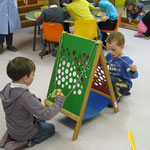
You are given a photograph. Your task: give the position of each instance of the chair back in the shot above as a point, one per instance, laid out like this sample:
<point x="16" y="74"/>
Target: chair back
<point x="131" y="139"/>
<point x="118" y="21"/>
<point x="52" y="31"/>
<point x="86" y="28"/>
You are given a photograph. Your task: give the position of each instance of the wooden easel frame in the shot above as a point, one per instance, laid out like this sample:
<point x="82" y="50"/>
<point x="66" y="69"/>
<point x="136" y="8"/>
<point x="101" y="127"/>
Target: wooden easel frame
<point x="99" y="55"/>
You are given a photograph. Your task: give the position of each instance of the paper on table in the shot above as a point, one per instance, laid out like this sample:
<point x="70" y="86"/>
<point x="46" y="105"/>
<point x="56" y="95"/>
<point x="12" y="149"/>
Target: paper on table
<point x="98" y="12"/>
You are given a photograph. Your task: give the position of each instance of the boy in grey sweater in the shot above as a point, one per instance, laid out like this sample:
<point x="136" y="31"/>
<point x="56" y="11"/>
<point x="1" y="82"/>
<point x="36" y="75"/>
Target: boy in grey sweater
<point x="25" y="115"/>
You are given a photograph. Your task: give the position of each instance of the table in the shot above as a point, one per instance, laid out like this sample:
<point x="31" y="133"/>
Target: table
<point x="30" y="16"/>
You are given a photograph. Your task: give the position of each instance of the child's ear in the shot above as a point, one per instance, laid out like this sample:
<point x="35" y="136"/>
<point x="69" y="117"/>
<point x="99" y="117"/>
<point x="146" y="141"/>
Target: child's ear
<point x="25" y="78"/>
<point x="122" y="46"/>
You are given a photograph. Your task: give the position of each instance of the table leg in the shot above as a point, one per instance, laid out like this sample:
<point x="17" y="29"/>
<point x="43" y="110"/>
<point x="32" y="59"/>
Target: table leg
<point x="34" y="38"/>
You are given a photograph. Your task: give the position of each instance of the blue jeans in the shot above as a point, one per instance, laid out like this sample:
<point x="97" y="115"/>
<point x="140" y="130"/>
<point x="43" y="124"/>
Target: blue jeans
<point x="46" y="130"/>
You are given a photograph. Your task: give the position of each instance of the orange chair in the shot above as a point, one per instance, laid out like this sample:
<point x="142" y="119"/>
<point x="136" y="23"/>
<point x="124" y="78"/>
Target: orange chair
<point x="86" y="28"/>
<point x="117" y="25"/>
<point x="51" y="33"/>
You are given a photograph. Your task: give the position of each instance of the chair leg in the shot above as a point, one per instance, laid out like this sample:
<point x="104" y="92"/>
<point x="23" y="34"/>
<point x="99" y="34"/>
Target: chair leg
<point x="43" y="52"/>
<point x="49" y="47"/>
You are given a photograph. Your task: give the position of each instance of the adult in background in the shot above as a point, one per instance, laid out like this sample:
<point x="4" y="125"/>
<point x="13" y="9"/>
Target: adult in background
<point x="9" y="23"/>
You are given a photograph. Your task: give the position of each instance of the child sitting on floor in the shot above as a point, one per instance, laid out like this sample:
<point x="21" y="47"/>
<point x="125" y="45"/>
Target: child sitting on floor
<point x="134" y="10"/>
<point x="144" y="27"/>
<point x="25" y="114"/>
<point x="120" y="66"/>
<point x="53" y="14"/>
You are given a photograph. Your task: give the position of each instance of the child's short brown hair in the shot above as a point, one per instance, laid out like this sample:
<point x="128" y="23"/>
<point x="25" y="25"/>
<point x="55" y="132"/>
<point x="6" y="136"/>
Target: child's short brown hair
<point x="20" y="67"/>
<point x="116" y="36"/>
<point x="129" y="3"/>
<point x="53" y="2"/>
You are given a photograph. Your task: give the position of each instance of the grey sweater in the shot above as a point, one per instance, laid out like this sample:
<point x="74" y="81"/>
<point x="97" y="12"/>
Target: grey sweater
<point x="20" y="106"/>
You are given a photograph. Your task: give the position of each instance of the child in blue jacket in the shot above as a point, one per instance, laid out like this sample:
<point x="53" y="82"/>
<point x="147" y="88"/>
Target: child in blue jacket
<point x="120" y="66"/>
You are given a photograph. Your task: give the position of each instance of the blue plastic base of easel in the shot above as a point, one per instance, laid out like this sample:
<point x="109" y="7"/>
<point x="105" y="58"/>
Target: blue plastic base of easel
<point x="96" y="103"/>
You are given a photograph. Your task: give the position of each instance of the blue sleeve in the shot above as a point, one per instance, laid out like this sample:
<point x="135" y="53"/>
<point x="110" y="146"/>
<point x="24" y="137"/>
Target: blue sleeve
<point x="108" y="11"/>
<point x="133" y="75"/>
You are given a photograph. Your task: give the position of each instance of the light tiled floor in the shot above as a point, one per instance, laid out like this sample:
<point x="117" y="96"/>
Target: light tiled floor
<point x="106" y="131"/>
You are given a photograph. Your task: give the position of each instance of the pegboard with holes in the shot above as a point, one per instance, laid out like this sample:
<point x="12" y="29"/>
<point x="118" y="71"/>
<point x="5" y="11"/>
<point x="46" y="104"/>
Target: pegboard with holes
<point x="99" y="82"/>
<point x="72" y="69"/>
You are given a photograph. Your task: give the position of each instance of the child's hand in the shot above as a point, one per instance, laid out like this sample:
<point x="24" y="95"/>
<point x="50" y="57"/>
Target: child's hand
<point x="65" y="5"/>
<point x="141" y="14"/>
<point x="130" y="20"/>
<point x="60" y="94"/>
<point x="104" y="19"/>
<point x="133" y="68"/>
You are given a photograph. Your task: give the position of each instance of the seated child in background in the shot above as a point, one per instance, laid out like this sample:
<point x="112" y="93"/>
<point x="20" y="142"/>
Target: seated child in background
<point x="25" y="115"/>
<point x="144" y="27"/>
<point x="53" y="14"/>
<point x="134" y="10"/>
<point x="109" y="21"/>
<point x="120" y="66"/>
<point x="80" y="10"/>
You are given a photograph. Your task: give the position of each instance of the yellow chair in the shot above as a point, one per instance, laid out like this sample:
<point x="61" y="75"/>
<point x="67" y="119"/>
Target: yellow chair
<point x="86" y="28"/>
<point x="131" y="139"/>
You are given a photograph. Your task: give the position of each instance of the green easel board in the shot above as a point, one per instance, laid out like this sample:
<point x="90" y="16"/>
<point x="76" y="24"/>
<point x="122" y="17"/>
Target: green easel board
<point x="73" y="73"/>
<point x="69" y="66"/>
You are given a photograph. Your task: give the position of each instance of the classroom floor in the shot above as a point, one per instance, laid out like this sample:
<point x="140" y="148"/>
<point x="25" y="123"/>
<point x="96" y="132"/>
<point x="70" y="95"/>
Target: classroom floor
<point x="106" y="131"/>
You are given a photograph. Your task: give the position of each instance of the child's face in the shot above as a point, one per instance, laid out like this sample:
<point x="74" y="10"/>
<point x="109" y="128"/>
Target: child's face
<point x="96" y="1"/>
<point x="114" y="49"/>
<point x="28" y="80"/>
<point x="129" y="8"/>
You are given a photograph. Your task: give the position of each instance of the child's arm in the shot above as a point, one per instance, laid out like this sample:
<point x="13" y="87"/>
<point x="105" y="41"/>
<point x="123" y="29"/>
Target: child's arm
<point x="92" y="7"/>
<point x="41" y="18"/>
<point x="129" y="17"/>
<point x="34" y="107"/>
<point x="141" y="8"/>
<point x="107" y="13"/>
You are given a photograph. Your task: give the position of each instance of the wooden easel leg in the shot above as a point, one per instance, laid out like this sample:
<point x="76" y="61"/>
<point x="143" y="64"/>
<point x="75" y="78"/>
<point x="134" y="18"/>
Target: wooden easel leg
<point x="77" y="129"/>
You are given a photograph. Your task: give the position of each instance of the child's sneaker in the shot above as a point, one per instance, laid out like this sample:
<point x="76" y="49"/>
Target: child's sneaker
<point x="127" y="93"/>
<point x="138" y="34"/>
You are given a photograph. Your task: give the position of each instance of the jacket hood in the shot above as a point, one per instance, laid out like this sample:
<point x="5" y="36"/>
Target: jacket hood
<point x="9" y="97"/>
